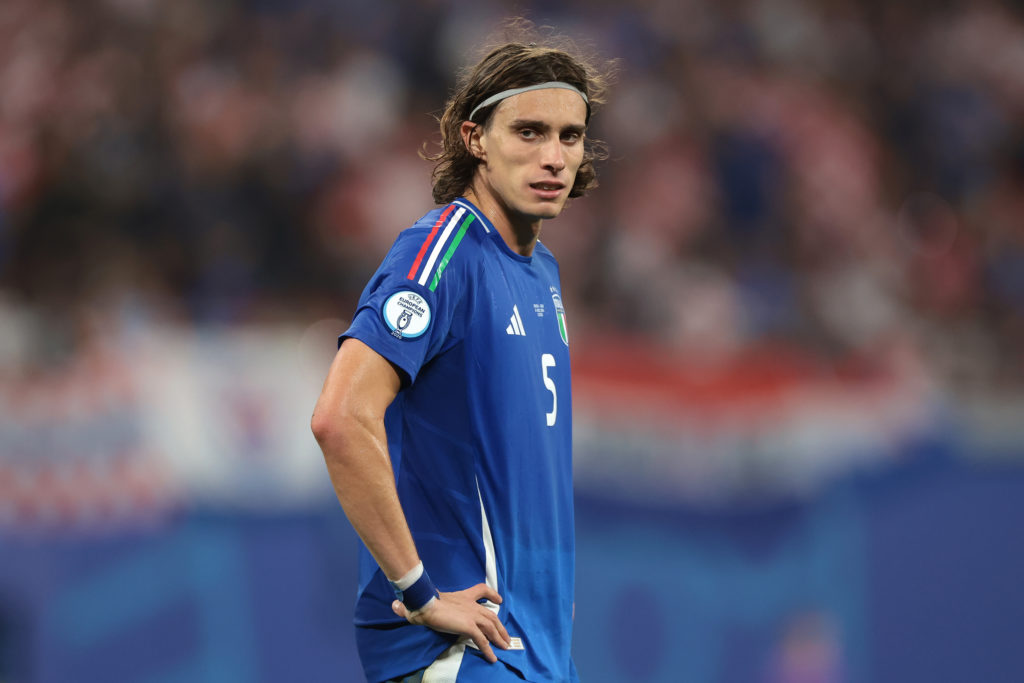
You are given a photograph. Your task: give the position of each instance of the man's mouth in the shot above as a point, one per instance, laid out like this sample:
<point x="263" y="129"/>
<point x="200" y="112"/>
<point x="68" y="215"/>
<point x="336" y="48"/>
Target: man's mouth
<point x="547" y="186"/>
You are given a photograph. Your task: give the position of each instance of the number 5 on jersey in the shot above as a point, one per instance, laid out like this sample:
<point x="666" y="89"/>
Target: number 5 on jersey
<point x="548" y="361"/>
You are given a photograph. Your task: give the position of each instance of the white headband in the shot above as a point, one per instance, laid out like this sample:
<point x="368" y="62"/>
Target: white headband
<point x="516" y="91"/>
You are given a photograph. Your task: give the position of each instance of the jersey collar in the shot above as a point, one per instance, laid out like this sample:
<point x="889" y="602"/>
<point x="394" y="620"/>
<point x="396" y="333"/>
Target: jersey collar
<point x="469" y="206"/>
<point x="489" y="229"/>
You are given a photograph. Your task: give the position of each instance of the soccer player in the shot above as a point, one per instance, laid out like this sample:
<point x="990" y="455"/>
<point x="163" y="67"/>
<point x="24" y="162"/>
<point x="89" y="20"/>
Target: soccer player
<point x="445" y="419"/>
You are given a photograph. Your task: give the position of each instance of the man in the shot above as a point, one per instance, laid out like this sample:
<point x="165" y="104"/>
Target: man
<point x="445" y="419"/>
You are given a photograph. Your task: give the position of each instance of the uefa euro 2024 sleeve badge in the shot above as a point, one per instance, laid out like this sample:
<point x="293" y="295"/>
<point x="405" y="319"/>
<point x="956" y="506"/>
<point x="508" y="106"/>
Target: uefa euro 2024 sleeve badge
<point x="560" y="315"/>
<point x="407" y="314"/>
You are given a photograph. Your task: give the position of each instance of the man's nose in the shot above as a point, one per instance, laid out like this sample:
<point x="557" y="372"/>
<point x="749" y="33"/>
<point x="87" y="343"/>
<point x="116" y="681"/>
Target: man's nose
<point x="552" y="155"/>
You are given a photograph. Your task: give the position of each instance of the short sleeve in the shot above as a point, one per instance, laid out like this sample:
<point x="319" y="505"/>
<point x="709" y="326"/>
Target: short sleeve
<point x="404" y="318"/>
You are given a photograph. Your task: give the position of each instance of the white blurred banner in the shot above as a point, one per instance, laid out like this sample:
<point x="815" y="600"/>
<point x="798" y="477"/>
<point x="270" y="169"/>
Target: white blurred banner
<point x="134" y="425"/>
<point x="137" y="423"/>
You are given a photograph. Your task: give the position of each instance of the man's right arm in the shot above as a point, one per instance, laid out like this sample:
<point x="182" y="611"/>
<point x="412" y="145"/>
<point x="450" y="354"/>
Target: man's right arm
<point x="348" y="423"/>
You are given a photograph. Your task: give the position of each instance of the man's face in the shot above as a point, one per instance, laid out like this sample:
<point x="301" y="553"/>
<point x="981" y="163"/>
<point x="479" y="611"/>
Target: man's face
<point x="531" y="151"/>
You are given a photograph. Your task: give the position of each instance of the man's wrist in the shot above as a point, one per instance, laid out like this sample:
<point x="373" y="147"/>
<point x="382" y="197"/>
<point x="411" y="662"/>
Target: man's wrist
<point x="415" y="590"/>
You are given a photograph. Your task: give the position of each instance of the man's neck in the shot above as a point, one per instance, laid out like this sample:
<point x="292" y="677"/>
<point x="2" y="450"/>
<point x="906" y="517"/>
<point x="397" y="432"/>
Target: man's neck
<point x="520" y="233"/>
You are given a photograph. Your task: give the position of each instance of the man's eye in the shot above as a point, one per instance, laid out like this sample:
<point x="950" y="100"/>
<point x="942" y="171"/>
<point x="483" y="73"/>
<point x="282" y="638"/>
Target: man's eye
<point x="528" y="133"/>
<point x="571" y="137"/>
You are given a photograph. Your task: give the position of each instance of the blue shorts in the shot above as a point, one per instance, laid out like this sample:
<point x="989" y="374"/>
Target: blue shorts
<point x="461" y="664"/>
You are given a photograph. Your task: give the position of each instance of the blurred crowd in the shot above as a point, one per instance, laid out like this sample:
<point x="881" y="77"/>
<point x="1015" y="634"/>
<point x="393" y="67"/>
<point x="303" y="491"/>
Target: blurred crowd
<point x="839" y="178"/>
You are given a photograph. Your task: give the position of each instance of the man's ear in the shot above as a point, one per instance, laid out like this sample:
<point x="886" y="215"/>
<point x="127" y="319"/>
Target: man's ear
<point x="471" y="133"/>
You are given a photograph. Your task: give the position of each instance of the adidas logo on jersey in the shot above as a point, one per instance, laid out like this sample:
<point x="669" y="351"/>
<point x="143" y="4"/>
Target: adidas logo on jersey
<point x="515" y="327"/>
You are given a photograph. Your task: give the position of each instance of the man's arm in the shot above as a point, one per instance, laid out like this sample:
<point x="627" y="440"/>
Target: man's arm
<point x="348" y="423"/>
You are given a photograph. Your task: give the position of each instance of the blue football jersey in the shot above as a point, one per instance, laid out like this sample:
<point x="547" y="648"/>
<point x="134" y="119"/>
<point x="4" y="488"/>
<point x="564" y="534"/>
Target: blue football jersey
<point x="480" y="438"/>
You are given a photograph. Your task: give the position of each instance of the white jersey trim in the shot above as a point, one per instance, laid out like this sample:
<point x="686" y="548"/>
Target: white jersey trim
<point x="490" y="564"/>
<point x="472" y="211"/>
<point x="490" y="559"/>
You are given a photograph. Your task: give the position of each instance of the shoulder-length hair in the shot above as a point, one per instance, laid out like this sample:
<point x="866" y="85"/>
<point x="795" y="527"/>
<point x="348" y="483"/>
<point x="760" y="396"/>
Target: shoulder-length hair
<point x="512" y="65"/>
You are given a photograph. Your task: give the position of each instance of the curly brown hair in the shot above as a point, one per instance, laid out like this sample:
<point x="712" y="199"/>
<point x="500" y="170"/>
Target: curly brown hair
<point x="514" y="64"/>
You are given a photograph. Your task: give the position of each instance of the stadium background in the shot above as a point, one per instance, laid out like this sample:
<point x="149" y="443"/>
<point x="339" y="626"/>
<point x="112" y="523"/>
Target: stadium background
<point x="796" y="307"/>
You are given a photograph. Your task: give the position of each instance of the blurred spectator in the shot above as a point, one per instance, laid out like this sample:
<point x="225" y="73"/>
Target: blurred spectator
<point x="833" y="176"/>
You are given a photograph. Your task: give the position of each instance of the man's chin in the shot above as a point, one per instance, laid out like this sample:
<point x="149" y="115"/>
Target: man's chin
<point x="548" y="210"/>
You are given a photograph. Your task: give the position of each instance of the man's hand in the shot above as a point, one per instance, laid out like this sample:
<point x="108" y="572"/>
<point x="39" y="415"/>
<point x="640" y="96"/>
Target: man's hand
<point x="460" y="613"/>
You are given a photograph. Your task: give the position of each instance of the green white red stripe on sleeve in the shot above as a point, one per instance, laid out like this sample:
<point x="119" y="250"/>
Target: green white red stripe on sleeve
<point x="440" y="245"/>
